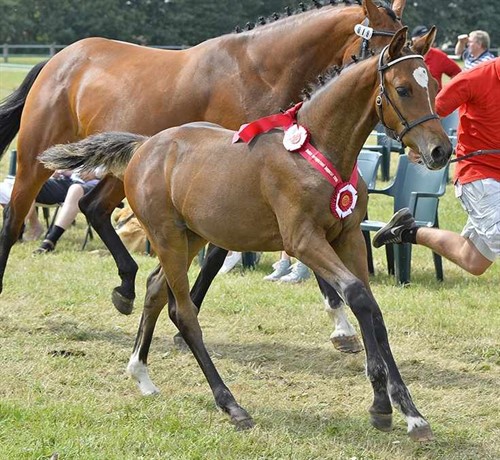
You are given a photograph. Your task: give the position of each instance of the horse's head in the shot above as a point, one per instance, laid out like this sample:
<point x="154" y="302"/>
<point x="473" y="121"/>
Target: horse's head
<point x="376" y="29"/>
<point x="405" y="104"/>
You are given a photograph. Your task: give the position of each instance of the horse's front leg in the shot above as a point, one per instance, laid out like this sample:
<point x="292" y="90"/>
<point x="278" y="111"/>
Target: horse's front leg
<point x="344" y="336"/>
<point x="97" y="205"/>
<point x="353" y="252"/>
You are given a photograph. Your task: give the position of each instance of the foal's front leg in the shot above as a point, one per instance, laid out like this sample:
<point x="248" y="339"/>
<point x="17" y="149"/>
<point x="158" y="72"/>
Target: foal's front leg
<point x="344" y="336"/>
<point x="418" y="428"/>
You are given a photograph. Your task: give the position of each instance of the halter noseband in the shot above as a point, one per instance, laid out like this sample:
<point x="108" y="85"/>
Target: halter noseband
<point x="383" y="93"/>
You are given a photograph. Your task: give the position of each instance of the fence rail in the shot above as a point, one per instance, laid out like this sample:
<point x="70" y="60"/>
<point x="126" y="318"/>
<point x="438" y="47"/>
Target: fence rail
<point x="9" y="50"/>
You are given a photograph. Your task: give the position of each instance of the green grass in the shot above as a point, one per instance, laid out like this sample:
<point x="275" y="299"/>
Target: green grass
<point x="270" y="344"/>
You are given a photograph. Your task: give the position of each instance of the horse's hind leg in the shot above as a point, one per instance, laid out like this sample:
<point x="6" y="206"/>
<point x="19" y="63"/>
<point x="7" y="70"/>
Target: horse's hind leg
<point x="29" y="179"/>
<point x="156" y="298"/>
<point x="98" y="205"/>
<point x="344" y="336"/>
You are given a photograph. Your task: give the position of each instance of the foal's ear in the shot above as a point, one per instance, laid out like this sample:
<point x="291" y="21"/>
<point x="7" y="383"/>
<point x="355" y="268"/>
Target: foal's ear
<point x="422" y="44"/>
<point x="372" y="12"/>
<point x="398" y="6"/>
<point x="397" y="43"/>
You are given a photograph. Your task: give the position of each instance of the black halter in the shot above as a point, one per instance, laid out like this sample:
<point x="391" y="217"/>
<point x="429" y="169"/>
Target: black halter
<point x="383" y="93"/>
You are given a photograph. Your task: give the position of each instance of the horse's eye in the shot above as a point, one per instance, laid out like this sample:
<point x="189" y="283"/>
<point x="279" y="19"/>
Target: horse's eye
<point x="402" y="91"/>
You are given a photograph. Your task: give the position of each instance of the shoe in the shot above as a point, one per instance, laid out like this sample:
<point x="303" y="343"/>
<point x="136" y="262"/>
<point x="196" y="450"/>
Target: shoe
<point x="281" y="268"/>
<point x="299" y="273"/>
<point x="230" y="262"/>
<point x="45" y="247"/>
<point x="392" y="232"/>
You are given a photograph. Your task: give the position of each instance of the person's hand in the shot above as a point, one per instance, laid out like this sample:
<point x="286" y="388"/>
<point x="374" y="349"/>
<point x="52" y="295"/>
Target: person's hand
<point x="463" y="38"/>
<point x="414" y="156"/>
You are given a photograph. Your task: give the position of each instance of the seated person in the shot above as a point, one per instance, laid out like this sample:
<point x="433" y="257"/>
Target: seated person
<point x="65" y="188"/>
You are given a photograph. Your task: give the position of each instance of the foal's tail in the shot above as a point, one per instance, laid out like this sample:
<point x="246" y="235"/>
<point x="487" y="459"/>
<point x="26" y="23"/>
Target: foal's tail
<point x="110" y="153"/>
<point x="12" y="107"/>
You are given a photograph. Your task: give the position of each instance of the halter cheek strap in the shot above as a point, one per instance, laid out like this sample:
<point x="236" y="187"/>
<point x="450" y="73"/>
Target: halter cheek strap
<point x="383" y="94"/>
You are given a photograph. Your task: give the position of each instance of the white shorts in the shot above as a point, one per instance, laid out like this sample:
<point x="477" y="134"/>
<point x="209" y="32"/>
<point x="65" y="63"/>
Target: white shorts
<point x="481" y="200"/>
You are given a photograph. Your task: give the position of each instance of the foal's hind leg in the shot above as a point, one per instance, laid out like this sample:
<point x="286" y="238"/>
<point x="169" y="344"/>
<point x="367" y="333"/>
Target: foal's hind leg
<point x="344" y="336"/>
<point x="156" y="298"/>
<point x="210" y="267"/>
<point x="97" y="205"/>
<point x="175" y="254"/>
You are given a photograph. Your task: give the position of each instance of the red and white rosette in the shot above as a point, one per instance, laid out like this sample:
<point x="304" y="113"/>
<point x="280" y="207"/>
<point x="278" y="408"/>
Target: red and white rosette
<point x="295" y="137"/>
<point x="343" y="200"/>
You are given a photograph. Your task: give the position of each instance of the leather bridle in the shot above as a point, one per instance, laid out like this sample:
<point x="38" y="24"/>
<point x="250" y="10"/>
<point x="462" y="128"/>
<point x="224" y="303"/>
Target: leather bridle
<point x="383" y="94"/>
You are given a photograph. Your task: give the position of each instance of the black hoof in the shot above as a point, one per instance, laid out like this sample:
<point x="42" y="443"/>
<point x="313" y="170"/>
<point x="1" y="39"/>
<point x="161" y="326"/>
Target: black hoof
<point x="123" y="304"/>
<point x="421" y="433"/>
<point x="382" y="422"/>
<point x="243" y="422"/>
<point x="180" y="343"/>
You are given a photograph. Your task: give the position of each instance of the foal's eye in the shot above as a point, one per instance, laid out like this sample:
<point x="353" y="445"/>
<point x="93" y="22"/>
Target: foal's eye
<point x="402" y="91"/>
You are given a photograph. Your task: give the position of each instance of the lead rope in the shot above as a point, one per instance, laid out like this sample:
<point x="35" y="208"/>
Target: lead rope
<point x="475" y="154"/>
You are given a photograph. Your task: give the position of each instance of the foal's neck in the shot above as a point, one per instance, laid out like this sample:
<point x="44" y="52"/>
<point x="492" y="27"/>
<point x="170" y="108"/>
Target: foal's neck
<point x="341" y="115"/>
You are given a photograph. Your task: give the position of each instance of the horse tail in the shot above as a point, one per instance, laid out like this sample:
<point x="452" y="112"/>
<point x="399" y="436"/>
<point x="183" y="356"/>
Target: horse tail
<point x="12" y="107"/>
<point x="109" y="153"/>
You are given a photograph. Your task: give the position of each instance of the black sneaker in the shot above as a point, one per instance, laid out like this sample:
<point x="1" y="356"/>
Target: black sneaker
<point x="392" y="232"/>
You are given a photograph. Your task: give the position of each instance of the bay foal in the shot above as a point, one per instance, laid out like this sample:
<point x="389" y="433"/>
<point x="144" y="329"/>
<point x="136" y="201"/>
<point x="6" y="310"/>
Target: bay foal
<point x="275" y="199"/>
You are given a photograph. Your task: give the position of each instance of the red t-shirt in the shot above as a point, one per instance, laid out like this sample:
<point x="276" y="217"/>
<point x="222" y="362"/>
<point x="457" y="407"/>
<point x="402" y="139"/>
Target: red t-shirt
<point x="476" y="93"/>
<point x="439" y="63"/>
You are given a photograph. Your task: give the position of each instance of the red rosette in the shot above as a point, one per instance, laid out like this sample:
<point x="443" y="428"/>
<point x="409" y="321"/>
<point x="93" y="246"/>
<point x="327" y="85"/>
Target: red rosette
<point x="343" y="201"/>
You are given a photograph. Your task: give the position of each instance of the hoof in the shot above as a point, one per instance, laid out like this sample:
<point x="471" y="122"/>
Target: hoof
<point x="243" y="422"/>
<point x="123" y="304"/>
<point x="180" y="343"/>
<point x="382" y="422"/>
<point x="421" y="433"/>
<point x="347" y="343"/>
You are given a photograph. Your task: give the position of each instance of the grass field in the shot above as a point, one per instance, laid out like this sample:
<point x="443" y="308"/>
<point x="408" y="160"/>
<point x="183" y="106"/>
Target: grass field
<point x="63" y="352"/>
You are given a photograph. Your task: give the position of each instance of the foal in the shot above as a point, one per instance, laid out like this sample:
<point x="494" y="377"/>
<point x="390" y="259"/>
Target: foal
<point x="173" y="181"/>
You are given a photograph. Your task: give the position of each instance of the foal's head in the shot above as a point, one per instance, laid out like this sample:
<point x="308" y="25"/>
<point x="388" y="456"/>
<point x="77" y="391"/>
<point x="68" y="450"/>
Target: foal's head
<point x="406" y="101"/>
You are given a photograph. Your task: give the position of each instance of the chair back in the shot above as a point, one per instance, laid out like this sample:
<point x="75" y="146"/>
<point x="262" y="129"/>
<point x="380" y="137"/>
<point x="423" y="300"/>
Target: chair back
<point x="415" y="181"/>
<point x="368" y="164"/>
<point x="450" y="125"/>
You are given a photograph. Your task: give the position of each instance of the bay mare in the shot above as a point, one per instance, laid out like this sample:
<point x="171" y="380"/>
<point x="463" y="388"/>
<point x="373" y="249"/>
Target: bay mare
<point x="98" y="85"/>
<point x="272" y="200"/>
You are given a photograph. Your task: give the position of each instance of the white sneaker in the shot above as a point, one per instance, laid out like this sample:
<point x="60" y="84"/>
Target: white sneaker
<point x="299" y="273"/>
<point x="230" y="262"/>
<point x="281" y="268"/>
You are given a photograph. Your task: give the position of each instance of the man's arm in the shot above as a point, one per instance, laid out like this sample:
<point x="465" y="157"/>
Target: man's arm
<point x="453" y="95"/>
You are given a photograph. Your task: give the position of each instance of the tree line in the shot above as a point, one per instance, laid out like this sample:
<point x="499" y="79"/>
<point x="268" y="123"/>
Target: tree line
<point x="188" y="22"/>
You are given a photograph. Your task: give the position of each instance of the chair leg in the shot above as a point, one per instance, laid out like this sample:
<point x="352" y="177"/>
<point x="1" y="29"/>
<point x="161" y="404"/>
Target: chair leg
<point x="385" y="164"/>
<point x="389" y="255"/>
<point x="369" y="253"/>
<point x="438" y="265"/>
<point x="402" y="258"/>
<point x="88" y="235"/>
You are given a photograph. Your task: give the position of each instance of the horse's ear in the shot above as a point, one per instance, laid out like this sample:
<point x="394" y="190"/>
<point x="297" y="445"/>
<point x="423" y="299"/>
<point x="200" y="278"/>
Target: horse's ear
<point x="422" y="44"/>
<point x="371" y="11"/>
<point x="398" y="6"/>
<point x="397" y="43"/>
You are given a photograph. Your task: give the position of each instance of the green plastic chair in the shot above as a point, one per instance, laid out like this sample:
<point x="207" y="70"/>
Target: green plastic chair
<point x="368" y="165"/>
<point x="418" y="189"/>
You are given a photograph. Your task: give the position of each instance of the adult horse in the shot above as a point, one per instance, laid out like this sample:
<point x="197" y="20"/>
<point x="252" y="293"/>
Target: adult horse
<point x="275" y="200"/>
<point x="98" y="85"/>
